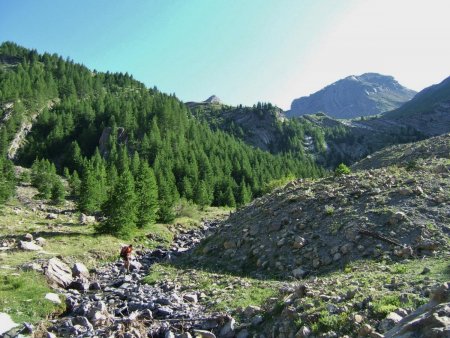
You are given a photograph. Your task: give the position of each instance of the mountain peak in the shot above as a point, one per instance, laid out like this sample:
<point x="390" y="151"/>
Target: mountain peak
<point x="354" y="96"/>
<point x="213" y="99"/>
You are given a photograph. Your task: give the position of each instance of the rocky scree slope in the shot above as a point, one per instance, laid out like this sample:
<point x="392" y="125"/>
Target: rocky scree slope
<point x="408" y="154"/>
<point x="311" y="227"/>
<point x="354" y="96"/>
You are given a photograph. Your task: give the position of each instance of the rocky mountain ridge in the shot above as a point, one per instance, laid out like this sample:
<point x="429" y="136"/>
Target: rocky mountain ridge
<point x="354" y="96"/>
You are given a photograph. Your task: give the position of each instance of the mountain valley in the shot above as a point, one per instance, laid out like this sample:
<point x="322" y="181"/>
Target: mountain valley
<point x="244" y="223"/>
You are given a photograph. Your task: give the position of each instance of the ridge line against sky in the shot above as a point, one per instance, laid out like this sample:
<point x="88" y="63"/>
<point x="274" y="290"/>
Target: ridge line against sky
<point x="242" y="51"/>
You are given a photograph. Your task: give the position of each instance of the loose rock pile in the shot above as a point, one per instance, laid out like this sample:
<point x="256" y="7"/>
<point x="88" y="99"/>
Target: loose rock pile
<point x="313" y="227"/>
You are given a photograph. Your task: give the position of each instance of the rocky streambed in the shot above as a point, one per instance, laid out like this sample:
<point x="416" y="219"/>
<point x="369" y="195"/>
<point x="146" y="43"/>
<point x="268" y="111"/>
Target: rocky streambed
<point x="107" y="302"/>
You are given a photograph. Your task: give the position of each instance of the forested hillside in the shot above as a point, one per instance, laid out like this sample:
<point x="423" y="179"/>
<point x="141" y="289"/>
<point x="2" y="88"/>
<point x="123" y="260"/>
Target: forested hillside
<point x="112" y="134"/>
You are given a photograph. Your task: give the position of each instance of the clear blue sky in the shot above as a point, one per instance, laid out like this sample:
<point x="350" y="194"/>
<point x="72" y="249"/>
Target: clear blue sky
<point x="243" y="51"/>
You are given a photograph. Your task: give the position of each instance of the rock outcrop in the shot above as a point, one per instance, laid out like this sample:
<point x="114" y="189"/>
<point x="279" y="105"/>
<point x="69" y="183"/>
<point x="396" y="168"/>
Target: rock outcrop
<point x="429" y="320"/>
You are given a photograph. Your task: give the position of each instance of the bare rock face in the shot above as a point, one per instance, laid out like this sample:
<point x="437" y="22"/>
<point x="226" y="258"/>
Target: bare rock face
<point x="58" y="273"/>
<point x="213" y="99"/>
<point x="354" y="96"/>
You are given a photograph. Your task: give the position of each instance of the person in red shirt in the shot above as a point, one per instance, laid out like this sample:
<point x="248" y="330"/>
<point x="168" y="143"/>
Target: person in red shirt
<point x="125" y="254"/>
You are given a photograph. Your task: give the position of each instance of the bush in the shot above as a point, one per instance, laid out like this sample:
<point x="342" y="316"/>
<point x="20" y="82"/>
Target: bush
<point x="342" y="169"/>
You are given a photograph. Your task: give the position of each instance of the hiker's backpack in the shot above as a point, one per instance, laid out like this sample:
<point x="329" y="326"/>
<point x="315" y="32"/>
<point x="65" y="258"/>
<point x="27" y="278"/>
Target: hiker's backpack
<point x="124" y="252"/>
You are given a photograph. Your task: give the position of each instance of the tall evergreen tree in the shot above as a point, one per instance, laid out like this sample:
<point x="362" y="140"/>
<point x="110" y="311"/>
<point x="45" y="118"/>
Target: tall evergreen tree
<point x="147" y="196"/>
<point x="120" y="208"/>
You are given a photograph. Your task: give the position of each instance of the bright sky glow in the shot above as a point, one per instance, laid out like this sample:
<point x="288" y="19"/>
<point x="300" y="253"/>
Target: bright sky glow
<point x="242" y="51"/>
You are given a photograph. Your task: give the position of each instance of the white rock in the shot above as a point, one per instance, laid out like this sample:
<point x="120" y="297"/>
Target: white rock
<point x="6" y="323"/>
<point x="29" y="246"/>
<point x="53" y="297"/>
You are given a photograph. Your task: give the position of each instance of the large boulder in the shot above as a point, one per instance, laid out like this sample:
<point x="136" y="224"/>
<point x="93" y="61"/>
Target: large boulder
<point x="429" y="320"/>
<point x="58" y="273"/>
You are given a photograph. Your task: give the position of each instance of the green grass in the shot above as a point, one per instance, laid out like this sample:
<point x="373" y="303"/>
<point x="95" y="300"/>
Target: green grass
<point x="22" y="297"/>
<point x="223" y="292"/>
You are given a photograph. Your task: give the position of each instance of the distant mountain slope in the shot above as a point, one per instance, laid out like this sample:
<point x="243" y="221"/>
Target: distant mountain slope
<point x="354" y="96"/>
<point x="428" y="112"/>
<point x="258" y="125"/>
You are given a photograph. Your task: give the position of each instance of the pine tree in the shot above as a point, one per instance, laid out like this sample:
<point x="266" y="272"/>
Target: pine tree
<point x="166" y="201"/>
<point x="201" y="196"/>
<point x="244" y="194"/>
<point x="7" y="179"/>
<point x="89" y="200"/>
<point x="58" y="193"/>
<point x="120" y="208"/>
<point x="147" y="196"/>
<point x="74" y="184"/>
<point x="229" y="199"/>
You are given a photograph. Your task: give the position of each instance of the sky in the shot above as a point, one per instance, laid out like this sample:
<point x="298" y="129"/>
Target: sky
<point x="243" y="51"/>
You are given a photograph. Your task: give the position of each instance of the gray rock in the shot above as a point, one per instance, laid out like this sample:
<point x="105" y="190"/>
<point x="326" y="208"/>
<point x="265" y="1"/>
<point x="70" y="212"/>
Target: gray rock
<point x="84" y="322"/>
<point x="135" y="266"/>
<point x="80" y="270"/>
<point x="58" y="273"/>
<point x="228" y="329"/>
<point x="29" y="246"/>
<point x="51" y="216"/>
<point x="6" y="323"/>
<point x="53" y="297"/>
<point x="299" y="242"/>
<point x="164" y="311"/>
<point x="389" y="322"/>
<point x="41" y="241"/>
<point x="95" y="286"/>
<point x="85" y="219"/>
<point x="251" y="311"/>
<point x="303" y="332"/>
<point x="397" y="217"/>
<point x="80" y="283"/>
<point x="191" y="297"/>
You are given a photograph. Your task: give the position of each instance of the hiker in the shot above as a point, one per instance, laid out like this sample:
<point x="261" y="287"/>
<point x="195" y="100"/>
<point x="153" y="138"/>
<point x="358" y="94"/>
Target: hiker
<point x="125" y="254"/>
